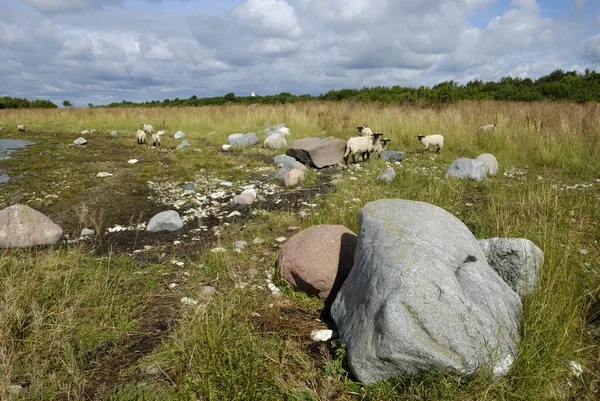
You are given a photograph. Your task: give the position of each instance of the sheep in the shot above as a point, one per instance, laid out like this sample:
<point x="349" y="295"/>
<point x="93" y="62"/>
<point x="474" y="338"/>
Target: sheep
<point x="20" y="127"/>
<point x="364" y="131"/>
<point x="380" y="146"/>
<point x="148" y="128"/>
<point x="487" y="128"/>
<point x="156" y="139"/>
<point x="140" y="135"/>
<point x="431" y="140"/>
<point x="362" y="145"/>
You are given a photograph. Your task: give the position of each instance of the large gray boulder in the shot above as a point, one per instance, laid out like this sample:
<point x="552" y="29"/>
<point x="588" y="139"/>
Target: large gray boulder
<point x="490" y="161"/>
<point x="317" y="152"/>
<point x="22" y="226"/>
<point x="516" y="260"/>
<point x="317" y="260"/>
<point x="422" y="296"/>
<point x="248" y="139"/>
<point x="467" y="168"/>
<point x="165" y="221"/>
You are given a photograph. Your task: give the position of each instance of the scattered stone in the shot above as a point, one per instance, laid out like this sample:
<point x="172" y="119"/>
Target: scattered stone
<point x="293" y="177"/>
<point x="189" y="301"/>
<point x="516" y="260"/>
<point x="168" y="220"/>
<point x="15" y="389"/>
<point x="218" y="250"/>
<point x="190" y="187"/>
<point x="80" y="141"/>
<point x="276" y="141"/>
<point x="258" y="241"/>
<point x="226" y="184"/>
<point x="576" y="368"/>
<point x="239" y="245"/>
<point x="274" y="289"/>
<point x="490" y="162"/>
<point x="207" y="290"/>
<point x="179" y="135"/>
<point x="246" y="198"/>
<point x="422" y="296"/>
<point x="225" y="147"/>
<point x="317" y="260"/>
<point x="114" y="134"/>
<point x="322" y="335"/>
<point x="244" y="141"/>
<point x="173" y="285"/>
<point x="282" y="172"/>
<point x="583" y="252"/>
<point x="235" y="213"/>
<point x="84" y="132"/>
<point x="93" y="131"/>
<point x="161" y="133"/>
<point x="132" y="161"/>
<point x="467" y="168"/>
<point x="103" y="174"/>
<point x="387" y="175"/>
<point x="284" y="160"/>
<point x="392" y="156"/>
<point x="183" y="144"/>
<point x="280" y="239"/>
<point x="86" y="232"/>
<point x="233" y="137"/>
<point x="22" y="226"/>
<point x="317" y="152"/>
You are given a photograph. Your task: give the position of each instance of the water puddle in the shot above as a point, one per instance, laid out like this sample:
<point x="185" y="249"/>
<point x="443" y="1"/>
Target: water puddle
<point x="7" y="147"/>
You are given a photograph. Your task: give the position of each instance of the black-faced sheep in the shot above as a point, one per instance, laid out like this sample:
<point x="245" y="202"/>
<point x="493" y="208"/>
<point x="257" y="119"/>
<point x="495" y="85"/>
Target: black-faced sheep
<point x="147" y="128"/>
<point x="364" y="131"/>
<point x="362" y="145"/>
<point x="156" y="139"/>
<point x="140" y="136"/>
<point x="431" y="140"/>
<point x="380" y="146"/>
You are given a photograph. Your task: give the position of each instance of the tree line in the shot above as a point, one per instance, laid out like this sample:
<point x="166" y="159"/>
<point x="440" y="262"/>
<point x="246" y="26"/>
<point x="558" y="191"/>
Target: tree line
<point x="559" y="85"/>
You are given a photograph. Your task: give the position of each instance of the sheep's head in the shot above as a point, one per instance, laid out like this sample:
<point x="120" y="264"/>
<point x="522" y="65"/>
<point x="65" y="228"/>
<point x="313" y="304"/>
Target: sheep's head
<point x="420" y="137"/>
<point x="360" y="128"/>
<point x="376" y="137"/>
<point x="386" y="141"/>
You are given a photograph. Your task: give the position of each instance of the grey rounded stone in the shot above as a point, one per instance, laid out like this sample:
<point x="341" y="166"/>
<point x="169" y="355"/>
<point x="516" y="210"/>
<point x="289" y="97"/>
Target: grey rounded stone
<point x="80" y="141"/>
<point x="490" y="162"/>
<point x="179" y="135"/>
<point x="165" y="221"/>
<point x="387" y="175"/>
<point x="284" y="160"/>
<point x="392" y="155"/>
<point x="467" y="168"/>
<point x="244" y="141"/>
<point x="275" y="142"/>
<point x="86" y="232"/>
<point x="183" y="144"/>
<point x="421" y="296"/>
<point x="114" y="133"/>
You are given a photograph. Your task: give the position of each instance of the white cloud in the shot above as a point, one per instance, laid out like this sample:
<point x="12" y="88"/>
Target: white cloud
<point x="61" y="6"/>
<point x="269" y="17"/>
<point x="591" y="49"/>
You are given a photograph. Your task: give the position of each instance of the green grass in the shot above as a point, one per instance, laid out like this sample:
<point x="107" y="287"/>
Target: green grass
<point x="65" y="314"/>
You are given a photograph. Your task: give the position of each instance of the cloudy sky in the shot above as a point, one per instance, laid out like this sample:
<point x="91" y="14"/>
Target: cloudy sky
<point x="101" y="51"/>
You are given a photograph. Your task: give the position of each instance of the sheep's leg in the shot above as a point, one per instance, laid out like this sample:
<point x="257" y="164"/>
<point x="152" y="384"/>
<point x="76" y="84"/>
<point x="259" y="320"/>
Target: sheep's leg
<point x="438" y="150"/>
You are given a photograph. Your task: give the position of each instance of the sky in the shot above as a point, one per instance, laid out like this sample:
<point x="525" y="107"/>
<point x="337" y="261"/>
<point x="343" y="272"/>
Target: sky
<point x="103" y="51"/>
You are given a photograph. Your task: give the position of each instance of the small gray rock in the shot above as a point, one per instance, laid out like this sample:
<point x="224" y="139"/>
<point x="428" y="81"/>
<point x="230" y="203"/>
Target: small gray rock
<point x="179" y="135"/>
<point x="244" y="199"/>
<point x="183" y="144"/>
<point x="284" y="160"/>
<point x="80" y="141"/>
<point x="114" y="133"/>
<point x="516" y="260"/>
<point x="190" y="187"/>
<point x="387" y="175"/>
<point x="275" y="127"/>
<point x="86" y="232"/>
<point x="207" y="290"/>
<point x="392" y="155"/>
<point x="165" y="221"/>
<point x="276" y="141"/>
<point x="467" y="168"/>
<point x="244" y="141"/>
<point x="282" y="172"/>
<point x="240" y="244"/>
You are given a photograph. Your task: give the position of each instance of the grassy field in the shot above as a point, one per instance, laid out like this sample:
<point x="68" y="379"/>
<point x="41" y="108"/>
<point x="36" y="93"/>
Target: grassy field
<point x="102" y="319"/>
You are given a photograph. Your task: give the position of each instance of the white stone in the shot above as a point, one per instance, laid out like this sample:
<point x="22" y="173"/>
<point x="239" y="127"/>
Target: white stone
<point x="280" y="239"/>
<point x="218" y="250"/>
<point x="132" y="161"/>
<point x="322" y="335"/>
<point x="189" y="301"/>
<point x="576" y="368"/>
<point x="225" y="147"/>
<point x="86" y="232"/>
<point x="103" y="174"/>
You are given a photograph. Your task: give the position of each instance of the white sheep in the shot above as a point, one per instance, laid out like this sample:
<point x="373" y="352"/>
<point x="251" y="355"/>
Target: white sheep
<point x="431" y="140"/>
<point x="140" y="135"/>
<point x="362" y="145"/>
<point x="381" y="145"/>
<point x="487" y="128"/>
<point x="148" y="128"/>
<point x="20" y="127"/>
<point x="364" y="131"/>
<point x="156" y="139"/>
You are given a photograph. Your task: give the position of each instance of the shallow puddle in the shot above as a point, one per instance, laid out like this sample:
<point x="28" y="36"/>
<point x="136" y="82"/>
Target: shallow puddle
<point x="8" y="146"/>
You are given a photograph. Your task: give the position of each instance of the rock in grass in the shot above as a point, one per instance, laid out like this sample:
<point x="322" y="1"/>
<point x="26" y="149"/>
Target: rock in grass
<point x="392" y="156"/>
<point x="387" y="175"/>
<point x="421" y="296"/>
<point x="276" y="141"/>
<point x="490" y="161"/>
<point x="80" y="141"/>
<point x="165" y="221"/>
<point x="293" y="177"/>
<point x="22" y="226"/>
<point x="284" y="160"/>
<point x="183" y="144"/>
<point x="86" y="232"/>
<point x="246" y="198"/>
<point x="103" y="174"/>
<point x="244" y="141"/>
<point x="114" y="133"/>
<point x="179" y="135"/>
<point x="516" y="260"/>
<point x="467" y="168"/>
<point x="317" y="152"/>
<point x="191" y="187"/>
<point x="317" y="260"/>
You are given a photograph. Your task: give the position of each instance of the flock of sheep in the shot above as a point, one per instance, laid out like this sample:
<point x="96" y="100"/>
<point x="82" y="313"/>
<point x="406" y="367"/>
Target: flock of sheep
<point x="140" y="135"/>
<point x="370" y="142"/>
